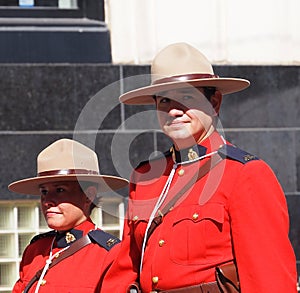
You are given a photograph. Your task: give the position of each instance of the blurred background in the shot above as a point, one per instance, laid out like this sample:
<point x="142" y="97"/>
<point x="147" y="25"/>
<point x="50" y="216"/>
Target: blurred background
<point x="64" y="63"/>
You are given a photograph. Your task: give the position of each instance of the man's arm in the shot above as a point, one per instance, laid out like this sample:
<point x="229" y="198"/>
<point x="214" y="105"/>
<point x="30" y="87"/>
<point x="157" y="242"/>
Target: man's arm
<point x="260" y="227"/>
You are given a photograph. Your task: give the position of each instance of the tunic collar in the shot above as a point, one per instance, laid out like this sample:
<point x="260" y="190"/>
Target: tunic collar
<point x="188" y="154"/>
<point x="66" y="238"/>
<point x="211" y="143"/>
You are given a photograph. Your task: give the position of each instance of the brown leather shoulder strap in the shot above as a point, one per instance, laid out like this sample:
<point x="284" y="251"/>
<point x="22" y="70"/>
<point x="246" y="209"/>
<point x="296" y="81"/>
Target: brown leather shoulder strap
<point x="210" y="164"/>
<point x="77" y="245"/>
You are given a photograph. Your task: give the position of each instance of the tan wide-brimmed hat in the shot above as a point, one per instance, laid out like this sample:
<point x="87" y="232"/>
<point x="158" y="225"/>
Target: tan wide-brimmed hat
<point x="181" y="65"/>
<point x="67" y="160"/>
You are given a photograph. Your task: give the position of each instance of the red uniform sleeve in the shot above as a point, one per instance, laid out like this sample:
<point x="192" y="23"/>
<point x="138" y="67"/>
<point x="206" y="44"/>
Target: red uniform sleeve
<point x="20" y="284"/>
<point x="124" y="269"/>
<point x="260" y="226"/>
<point x="18" y="287"/>
<point x="107" y="262"/>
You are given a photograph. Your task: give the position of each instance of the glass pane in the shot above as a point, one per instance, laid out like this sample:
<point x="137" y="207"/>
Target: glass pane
<point x="7" y="247"/>
<point x="24" y="240"/>
<point x="7" y="274"/>
<point x="114" y="232"/>
<point x="109" y="219"/>
<point x="42" y="221"/>
<point x="25" y="217"/>
<point x="95" y="216"/>
<point x="6" y="218"/>
<point x="63" y="4"/>
<point x="67" y="4"/>
<point x="110" y="214"/>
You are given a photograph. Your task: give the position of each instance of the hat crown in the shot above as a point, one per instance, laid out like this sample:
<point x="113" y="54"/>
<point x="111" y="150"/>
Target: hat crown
<point x="179" y="59"/>
<point x="67" y="154"/>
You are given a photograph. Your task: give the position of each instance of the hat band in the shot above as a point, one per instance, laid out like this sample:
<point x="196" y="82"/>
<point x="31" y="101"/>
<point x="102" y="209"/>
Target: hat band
<point x="67" y="172"/>
<point x="186" y="77"/>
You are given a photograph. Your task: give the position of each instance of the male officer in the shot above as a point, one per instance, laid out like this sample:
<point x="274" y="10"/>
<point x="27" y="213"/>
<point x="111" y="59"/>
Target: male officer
<point x="75" y="255"/>
<point x="205" y="205"/>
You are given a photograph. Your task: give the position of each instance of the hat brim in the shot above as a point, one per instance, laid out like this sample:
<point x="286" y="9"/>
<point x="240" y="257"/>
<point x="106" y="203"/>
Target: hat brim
<point x="144" y="95"/>
<point x="31" y="185"/>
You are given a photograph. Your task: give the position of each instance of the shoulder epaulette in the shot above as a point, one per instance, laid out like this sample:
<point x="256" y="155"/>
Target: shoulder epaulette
<point x="104" y="239"/>
<point x="157" y="157"/>
<point x="234" y="153"/>
<point x="51" y="233"/>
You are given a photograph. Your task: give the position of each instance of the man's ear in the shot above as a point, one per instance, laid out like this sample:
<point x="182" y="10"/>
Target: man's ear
<point x="216" y="100"/>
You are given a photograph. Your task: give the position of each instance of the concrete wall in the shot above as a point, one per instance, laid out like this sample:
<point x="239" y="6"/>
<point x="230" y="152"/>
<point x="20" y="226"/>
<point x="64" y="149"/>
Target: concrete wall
<point x="41" y="103"/>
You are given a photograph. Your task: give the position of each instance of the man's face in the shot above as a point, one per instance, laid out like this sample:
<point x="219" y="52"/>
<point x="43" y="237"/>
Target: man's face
<point x="185" y="115"/>
<point x="64" y="204"/>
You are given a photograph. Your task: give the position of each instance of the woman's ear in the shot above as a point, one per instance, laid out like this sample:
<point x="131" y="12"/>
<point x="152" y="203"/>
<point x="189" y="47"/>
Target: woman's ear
<point x="216" y="100"/>
<point x="91" y="193"/>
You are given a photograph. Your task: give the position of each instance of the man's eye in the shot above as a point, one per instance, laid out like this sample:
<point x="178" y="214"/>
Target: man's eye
<point x="60" y="189"/>
<point x="164" y="100"/>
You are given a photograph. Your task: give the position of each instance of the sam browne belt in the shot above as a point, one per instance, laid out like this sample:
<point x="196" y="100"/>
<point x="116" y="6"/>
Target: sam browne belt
<point x="201" y="288"/>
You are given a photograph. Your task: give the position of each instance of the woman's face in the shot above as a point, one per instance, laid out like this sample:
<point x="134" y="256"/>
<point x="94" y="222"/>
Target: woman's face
<point x="64" y="204"/>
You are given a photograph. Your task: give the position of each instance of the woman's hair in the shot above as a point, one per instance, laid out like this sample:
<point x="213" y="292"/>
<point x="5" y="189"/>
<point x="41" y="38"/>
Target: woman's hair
<point x="208" y="92"/>
<point x="84" y="185"/>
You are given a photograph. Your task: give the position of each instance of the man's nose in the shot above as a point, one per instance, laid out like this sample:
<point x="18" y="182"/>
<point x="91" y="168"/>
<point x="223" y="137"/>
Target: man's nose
<point x="174" y="112"/>
<point x="176" y="109"/>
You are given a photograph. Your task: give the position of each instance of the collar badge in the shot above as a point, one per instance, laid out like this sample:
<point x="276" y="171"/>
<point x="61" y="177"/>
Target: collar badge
<point x="192" y="155"/>
<point x="70" y="237"/>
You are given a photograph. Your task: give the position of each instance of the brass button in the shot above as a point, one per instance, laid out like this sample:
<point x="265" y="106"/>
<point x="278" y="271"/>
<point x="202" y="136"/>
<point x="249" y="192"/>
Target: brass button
<point x="43" y="282"/>
<point x="195" y="216"/>
<point x="180" y="172"/>
<point x="135" y="218"/>
<point x="155" y="280"/>
<point x="161" y="242"/>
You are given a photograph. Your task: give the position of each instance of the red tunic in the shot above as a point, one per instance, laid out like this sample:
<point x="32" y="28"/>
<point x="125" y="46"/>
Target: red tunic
<point x="82" y="272"/>
<point x="238" y="210"/>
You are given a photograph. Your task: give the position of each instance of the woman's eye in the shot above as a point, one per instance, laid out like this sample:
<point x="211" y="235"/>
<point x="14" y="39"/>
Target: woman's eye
<point x="43" y="191"/>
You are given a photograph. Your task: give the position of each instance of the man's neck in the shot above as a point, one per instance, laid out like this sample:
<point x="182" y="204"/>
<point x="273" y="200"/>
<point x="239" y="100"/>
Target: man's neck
<point x="186" y="143"/>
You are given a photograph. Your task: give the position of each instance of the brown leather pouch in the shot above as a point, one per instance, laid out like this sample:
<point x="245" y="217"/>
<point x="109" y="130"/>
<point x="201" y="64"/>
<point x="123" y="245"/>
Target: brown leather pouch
<point x="133" y="288"/>
<point x="227" y="278"/>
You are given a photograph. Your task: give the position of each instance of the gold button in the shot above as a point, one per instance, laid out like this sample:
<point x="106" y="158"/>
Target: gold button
<point x="43" y="282"/>
<point x="195" y="216"/>
<point x="180" y="172"/>
<point x="155" y="280"/>
<point x="135" y="218"/>
<point x="161" y="242"/>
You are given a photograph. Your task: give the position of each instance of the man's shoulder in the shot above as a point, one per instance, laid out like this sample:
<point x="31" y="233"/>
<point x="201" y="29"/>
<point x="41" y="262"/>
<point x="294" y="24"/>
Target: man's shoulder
<point x="156" y="159"/>
<point x="232" y="152"/>
<point x="227" y="151"/>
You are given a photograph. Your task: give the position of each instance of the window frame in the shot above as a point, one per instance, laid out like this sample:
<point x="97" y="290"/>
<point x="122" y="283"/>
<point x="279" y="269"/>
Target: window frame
<point x="91" y="9"/>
